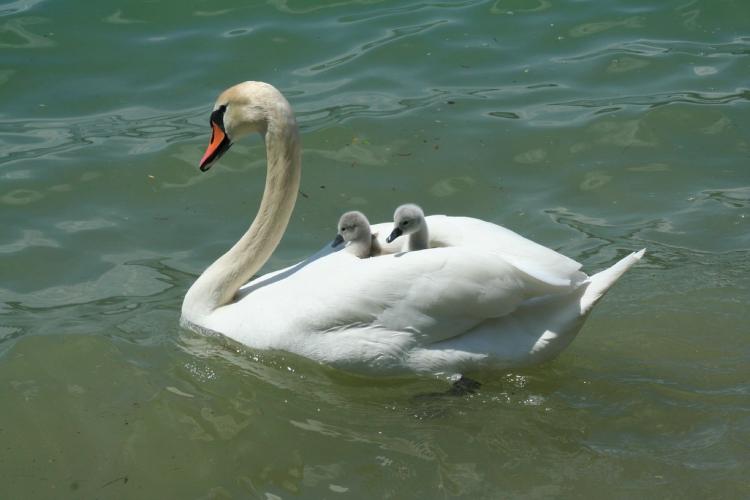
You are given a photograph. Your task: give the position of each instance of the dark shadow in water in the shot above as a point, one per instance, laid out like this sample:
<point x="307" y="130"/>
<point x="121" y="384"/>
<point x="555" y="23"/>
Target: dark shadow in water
<point x="459" y="388"/>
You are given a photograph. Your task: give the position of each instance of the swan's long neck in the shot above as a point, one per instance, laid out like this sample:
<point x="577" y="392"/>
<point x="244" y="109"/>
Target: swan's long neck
<point x="219" y="283"/>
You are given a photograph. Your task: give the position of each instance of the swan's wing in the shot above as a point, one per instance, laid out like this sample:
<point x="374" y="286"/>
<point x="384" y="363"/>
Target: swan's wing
<point x="432" y="294"/>
<point x="533" y="258"/>
<point x="444" y="292"/>
<point x="396" y="301"/>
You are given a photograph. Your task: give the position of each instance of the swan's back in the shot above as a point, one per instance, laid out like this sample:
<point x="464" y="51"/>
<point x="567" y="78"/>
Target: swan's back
<point x="532" y="258"/>
<point x="483" y="295"/>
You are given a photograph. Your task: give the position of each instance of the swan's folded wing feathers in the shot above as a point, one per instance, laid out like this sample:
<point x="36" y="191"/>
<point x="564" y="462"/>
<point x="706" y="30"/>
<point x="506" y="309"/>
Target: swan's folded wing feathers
<point x="535" y="259"/>
<point x="435" y="294"/>
<point x="432" y="294"/>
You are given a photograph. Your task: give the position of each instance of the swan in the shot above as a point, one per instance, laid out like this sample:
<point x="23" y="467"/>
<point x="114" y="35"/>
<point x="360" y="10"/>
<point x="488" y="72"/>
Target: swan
<point x="409" y="220"/>
<point x="481" y="297"/>
<point x="354" y="229"/>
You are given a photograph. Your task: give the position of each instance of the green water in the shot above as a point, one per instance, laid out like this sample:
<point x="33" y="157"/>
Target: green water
<point x="594" y="128"/>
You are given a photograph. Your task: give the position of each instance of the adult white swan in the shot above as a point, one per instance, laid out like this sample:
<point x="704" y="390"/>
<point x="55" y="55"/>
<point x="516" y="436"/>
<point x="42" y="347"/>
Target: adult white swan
<point x="480" y="296"/>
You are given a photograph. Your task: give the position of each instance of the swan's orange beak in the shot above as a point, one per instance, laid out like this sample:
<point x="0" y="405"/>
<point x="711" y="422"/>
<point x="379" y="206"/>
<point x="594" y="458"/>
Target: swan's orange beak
<point x="218" y="145"/>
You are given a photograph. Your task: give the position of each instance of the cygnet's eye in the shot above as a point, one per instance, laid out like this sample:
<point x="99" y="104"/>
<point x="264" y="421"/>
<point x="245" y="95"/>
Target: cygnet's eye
<point x="405" y="223"/>
<point x="343" y="229"/>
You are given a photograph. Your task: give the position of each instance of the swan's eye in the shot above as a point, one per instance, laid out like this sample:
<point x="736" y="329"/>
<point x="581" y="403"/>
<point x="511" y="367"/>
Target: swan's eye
<point x="405" y="223"/>
<point x="217" y="116"/>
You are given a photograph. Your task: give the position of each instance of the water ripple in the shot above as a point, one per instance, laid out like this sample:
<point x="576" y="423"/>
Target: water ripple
<point x="602" y="243"/>
<point x="14" y="35"/>
<point x="393" y="35"/>
<point x="147" y="130"/>
<point x="346" y="105"/>
<point x="499" y="8"/>
<point x="12" y="8"/>
<point x="588" y="29"/>
<point x="740" y="46"/>
<point x="661" y="99"/>
<point x="404" y="9"/>
<point x="283" y="5"/>
<point x="738" y="197"/>
<point x="127" y="298"/>
<point x="24" y="139"/>
<point x="118" y="18"/>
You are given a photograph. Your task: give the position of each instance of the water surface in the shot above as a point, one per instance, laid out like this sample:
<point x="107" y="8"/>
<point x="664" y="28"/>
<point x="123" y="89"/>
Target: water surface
<point x="594" y="128"/>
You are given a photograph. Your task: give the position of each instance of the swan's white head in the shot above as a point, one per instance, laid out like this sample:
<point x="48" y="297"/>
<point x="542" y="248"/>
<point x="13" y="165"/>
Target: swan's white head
<point x="407" y="219"/>
<point x="354" y="229"/>
<point x="240" y="110"/>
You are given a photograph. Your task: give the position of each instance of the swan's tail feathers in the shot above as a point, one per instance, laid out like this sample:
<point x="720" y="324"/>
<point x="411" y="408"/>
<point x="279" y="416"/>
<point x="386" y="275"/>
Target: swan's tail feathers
<point x="603" y="280"/>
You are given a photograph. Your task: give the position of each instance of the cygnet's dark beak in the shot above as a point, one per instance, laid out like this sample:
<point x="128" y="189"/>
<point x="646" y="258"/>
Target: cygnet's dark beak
<point x="337" y="241"/>
<point x="394" y="234"/>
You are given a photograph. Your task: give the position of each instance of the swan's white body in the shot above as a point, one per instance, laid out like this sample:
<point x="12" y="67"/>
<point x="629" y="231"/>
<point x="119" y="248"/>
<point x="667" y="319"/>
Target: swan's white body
<point x="481" y="296"/>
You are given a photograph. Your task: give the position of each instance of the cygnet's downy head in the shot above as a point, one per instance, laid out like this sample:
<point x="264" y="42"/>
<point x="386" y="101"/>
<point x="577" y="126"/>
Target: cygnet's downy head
<point x="408" y="219"/>
<point x="354" y="229"/>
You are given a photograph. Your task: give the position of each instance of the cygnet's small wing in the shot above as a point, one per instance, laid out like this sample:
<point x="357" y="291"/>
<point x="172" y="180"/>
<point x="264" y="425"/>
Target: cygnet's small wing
<point x="434" y="294"/>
